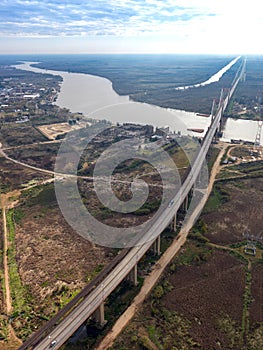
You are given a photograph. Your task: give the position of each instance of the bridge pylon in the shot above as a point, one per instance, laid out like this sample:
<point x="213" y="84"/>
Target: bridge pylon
<point x="99" y="316"/>
<point x="173" y="223"/>
<point x="244" y="71"/>
<point x="133" y="275"/>
<point x="258" y="135"/>
<point x="157" y="246"/>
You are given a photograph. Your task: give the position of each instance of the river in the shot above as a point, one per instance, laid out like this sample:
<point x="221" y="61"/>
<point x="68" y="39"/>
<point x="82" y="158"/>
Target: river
<point x="216" y="77"/>
<point x="94" y="97"/>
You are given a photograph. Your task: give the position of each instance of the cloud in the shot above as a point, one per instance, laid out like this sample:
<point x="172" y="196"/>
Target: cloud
<point x="97" y="17"/>
<point x="194" y="24"/>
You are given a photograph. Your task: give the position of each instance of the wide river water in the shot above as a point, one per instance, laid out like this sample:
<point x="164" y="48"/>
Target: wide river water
<point x="94" y="97"/>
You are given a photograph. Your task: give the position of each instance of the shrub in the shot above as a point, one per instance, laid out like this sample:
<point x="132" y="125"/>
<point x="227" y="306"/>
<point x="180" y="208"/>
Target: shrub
<point x="158" y="292"/>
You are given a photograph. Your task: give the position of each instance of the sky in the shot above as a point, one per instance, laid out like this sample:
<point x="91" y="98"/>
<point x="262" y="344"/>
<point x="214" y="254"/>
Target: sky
<point x="131" y="26"/>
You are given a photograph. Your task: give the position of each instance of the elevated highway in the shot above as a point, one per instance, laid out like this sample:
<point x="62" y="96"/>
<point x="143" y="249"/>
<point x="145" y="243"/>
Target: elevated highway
<point x="61" y="328"/>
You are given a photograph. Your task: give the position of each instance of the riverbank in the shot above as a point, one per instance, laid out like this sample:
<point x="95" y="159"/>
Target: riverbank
<point x="153" y="79"/>
<point x="95" y="97"/>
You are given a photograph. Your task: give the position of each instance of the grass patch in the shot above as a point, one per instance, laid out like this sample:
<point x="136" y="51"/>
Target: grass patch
<point x="218" y="196"/>
<point x="18" y="215"/>
<point x="247" y="299"/>
<point x="165" y="329"/>
<point x="211" y="157"/>
<point x="250" y="167"/>
<point x="225" y="155"/>
<point x="40" y="195"/>
<point x="4" y="329"/>
<point x="18" y="292"/>
<point x="192" y="254"/>
<point x="231" y="331"/>
<point x="255" y="339"/>
<point x="23" y="318"/>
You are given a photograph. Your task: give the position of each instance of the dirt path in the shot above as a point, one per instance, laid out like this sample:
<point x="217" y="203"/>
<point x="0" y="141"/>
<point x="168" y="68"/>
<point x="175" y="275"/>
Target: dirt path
<point x="65" y="175"/>
<point x="13" y="342"/>
<point x="27" y="165"/>
<point x="8" y="300"/>
<point x="29" y="144"/>
<point x="160" y="266"/>
<point x="216" y="167"/>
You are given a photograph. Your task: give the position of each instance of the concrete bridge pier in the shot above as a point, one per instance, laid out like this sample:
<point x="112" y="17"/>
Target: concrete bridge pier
<point x="173" y="223"/>
<point x="133" y="275"/>
<point x="185" y="203"/>
<point x="99" y="316"/>
<point x="157" y="246"/>
<point x="221" y="126"/>
<point x="216" y="134"/>
<point x="198" y="181"/>
<point x="219" y="131"/>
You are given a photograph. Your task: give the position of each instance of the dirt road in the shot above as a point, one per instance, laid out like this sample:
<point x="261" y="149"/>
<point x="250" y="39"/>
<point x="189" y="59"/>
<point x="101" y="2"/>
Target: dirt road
<point x="8" y="300"/>
<point x="13" y="342"/>
<point x="160" y="266"/>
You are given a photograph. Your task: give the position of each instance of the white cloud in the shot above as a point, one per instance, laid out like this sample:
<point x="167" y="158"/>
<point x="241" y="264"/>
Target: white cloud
<point x="197" y="25"/>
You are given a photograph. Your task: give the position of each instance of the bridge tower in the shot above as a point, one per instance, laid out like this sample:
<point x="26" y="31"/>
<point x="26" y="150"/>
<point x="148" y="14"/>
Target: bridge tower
<point x="244" y="72"/>
<point x="258" y="135"/>
<point x="212" y="110"/>
<point x="219" y="107"/>
<point x="133" y="275"/>
<point x="221" y="96"/>
<point x="99" y="316"/>
<point x="157" y="245"/>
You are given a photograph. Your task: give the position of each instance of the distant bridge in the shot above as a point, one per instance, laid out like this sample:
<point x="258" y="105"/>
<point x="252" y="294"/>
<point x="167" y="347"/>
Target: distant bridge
<point x="90" y="301"/>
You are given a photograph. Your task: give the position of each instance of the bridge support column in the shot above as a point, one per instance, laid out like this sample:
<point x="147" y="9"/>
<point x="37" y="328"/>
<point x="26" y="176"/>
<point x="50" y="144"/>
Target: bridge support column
<point x="173" y="223"/>
<point x="185" y="203"/>
<point x="133" y="275"/>
<point x="221" y="124"/>
<point x="199" y="180"/>
<point x="157" y="246"/>
<point x="99" y="316"/>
